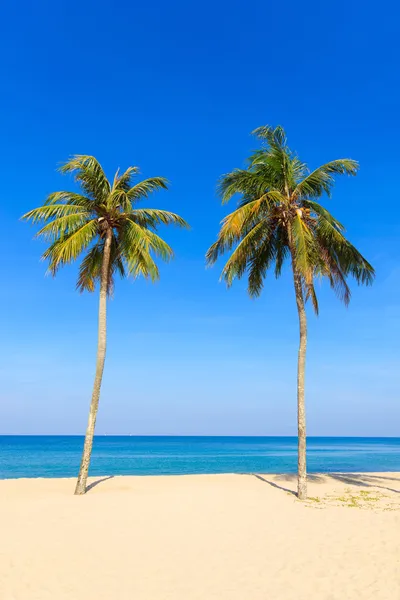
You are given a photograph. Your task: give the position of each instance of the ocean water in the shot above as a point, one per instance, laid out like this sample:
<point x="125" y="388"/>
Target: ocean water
<point x="59" y="456"/>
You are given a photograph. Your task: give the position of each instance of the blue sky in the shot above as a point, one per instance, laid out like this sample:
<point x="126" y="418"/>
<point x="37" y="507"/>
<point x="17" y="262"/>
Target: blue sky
<point x="176" y="89"/>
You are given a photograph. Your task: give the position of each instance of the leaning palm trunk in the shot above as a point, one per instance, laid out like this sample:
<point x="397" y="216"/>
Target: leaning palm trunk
<point x="116" y="237"/>
<point x="301" y="411"/>
<point x="101" y="355"/>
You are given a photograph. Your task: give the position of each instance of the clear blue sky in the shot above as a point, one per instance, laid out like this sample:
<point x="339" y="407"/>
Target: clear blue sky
<point x="176" y="88"/>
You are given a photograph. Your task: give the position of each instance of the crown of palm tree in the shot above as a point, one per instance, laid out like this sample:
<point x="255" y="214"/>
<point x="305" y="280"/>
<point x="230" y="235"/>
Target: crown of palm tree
<point x="278" y="217"/>
<point x="78" y="222"/>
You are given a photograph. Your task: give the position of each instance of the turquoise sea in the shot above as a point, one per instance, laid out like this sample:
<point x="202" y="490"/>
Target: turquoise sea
<point x="59" y="456"/>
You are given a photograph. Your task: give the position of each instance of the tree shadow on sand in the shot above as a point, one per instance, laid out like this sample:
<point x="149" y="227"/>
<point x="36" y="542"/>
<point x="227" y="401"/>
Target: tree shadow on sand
<point x="358" y="479"/>
<point x="273" y="484"/>
<point x="97" y="482"/>
<point x="365" y="480"/>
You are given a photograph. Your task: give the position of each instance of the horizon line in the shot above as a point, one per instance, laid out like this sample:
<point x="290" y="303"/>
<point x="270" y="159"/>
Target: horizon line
<point x="167" y="435"/>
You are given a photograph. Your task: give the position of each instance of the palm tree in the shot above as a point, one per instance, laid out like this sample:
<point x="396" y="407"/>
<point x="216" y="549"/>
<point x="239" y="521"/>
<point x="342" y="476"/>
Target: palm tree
<point x="278" y="218"/>
<point x="117" y="237"/>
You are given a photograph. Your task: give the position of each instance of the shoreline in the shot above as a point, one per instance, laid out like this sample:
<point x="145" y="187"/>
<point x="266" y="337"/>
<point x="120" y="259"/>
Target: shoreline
<point x="323" y="486"/>
<point x="288" y="474"/>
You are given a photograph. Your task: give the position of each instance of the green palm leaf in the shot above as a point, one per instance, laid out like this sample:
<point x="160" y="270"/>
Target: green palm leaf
<point x="62" y="226"/>
<point x="135" y="235"/>
<point x="151" y="217"/>
<point x="90" y="175"/>
<point x="278" y="187"/>
<point x="304" y="249"/>
<point x="144" y="188"/>
<point x="90" y="269"/>
<point x="70" y="198"/>
<point x="124" y="182"/>
<point x="320" y="211"/>
<point x="67" y="249"/>
<point x="243" y="254"/>
<point x="77" y="222"/>
<point x="322" y="179"/>
<point x="54" y="211"/>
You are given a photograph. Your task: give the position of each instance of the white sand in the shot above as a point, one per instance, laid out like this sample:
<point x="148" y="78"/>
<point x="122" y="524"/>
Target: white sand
<point x="218" y="537"/>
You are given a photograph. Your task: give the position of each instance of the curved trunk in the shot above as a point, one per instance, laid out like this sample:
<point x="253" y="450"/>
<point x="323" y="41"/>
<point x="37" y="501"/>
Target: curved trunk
<point x="101" y="355"/>
<point x="301" y="411"/>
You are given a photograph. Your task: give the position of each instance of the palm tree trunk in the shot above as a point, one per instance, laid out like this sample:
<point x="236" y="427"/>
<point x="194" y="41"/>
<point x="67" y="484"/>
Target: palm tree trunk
<point x="101" y="355"/>
<point x="301" y="410"/>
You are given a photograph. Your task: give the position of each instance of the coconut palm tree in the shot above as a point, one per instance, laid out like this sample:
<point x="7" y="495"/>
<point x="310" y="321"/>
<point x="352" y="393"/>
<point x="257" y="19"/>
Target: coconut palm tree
<point x="278" y="218"/>
<point x="117" y="238"/>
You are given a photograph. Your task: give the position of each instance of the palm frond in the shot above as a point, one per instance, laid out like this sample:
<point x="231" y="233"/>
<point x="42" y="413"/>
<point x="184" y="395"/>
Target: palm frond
<point x="91" y="266"/>
<point x="234" y="227"/>
<point x="241" y="181"/>
<point x="90" y="269"/>
<point x="149" y="240"/>
<point x="282" y="250"/>
<point x="90" y="175"/>
<point x="71" y="198"/>
<point x="297" y="170"/>
<point x="244" y="253"/>
<point x="240" y="222"/>
<point x="139" y="262"/>
<point x="66" y="249"/>
<point x="322" y="179"/>
<point x="274" y="136"/>
<point x="144" y="188"/>
<point x="54" y="211"/>
<point x="151" y="217"/>
<point x="348" y="258"/>
<point x="278" y="218"/>
<point x="261" y="259"/>
<point x="320" y="211"/>
<point x="118" y="200"/>
<point x="62" y="226"/>
<point x="311" y="295"/>
<point x="78" y="222"/>
<point x="304" y="247"/>
<point x="124" y="182"/>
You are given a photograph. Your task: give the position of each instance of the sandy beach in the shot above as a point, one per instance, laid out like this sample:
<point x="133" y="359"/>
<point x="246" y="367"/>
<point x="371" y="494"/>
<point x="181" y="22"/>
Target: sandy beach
<point x="233" y="537"/>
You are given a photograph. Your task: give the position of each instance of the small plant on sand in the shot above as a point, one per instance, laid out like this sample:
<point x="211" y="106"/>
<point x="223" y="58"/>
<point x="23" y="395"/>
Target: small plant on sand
<point x="356" y="500"/>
